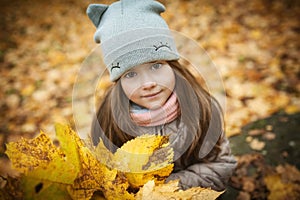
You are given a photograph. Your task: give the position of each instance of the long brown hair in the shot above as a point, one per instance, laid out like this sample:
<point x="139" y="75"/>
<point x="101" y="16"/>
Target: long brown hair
<point x="113" y="116"/>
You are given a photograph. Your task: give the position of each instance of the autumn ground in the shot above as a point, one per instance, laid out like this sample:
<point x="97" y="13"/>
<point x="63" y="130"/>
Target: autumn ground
<point x="254" y="45"/>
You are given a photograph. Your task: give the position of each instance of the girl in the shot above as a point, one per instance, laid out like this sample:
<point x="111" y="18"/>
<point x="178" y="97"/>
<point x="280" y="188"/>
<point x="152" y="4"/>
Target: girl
<point x="153" y="93"/>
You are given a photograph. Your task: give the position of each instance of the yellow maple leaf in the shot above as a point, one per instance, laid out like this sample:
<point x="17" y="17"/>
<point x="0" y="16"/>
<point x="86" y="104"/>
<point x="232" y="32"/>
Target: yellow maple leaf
<point x="36" y="189"/>
<point x="23" y="156"/>
<point x="102" y="154"/>
<point x="94" y="176"/>
<point x="39" y="157"/>
<point x="171" y="190"/>
<point x="116" y="188"/>
<point x="147" y="157"/>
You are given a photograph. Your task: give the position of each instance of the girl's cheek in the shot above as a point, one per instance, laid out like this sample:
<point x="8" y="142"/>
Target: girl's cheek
<point x="133" y="91"/>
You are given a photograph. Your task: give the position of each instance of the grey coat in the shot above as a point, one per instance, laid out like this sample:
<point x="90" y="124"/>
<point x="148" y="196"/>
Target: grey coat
<point x="213" y="174"/>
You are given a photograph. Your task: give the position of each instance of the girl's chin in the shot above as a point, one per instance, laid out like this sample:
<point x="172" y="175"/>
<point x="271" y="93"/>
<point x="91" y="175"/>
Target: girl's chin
<point x="154" y="106"/>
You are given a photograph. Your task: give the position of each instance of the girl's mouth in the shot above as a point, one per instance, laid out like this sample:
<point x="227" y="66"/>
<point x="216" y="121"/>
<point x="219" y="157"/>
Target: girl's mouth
<point x="151" y="94"/>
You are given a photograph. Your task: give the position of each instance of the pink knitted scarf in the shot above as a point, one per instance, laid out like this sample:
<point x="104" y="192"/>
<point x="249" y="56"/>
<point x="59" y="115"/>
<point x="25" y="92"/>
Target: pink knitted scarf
<point x="165" y="114"/>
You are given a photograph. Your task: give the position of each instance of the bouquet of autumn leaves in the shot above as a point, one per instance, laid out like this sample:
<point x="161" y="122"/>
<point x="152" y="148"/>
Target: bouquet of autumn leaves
<point x="74" y="169"/>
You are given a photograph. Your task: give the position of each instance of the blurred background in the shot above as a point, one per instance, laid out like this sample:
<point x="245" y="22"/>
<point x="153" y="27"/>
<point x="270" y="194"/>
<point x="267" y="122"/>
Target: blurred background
<point x="254" y="44"/>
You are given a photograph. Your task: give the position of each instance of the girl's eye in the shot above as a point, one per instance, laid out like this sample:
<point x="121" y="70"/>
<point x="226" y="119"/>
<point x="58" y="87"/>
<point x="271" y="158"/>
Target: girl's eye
<point x="156" y="66"/>
<point x="130" y="74"/>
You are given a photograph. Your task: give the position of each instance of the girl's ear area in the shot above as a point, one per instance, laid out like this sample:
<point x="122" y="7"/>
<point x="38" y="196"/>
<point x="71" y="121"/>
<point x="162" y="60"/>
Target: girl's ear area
<point x="154" y="6"/>
<point x="95" y="11"/>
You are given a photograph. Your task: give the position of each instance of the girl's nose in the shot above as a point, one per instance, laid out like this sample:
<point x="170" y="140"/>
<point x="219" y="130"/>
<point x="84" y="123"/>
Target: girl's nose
<point x="147" y="81"/>
<point x="149" y="85"/>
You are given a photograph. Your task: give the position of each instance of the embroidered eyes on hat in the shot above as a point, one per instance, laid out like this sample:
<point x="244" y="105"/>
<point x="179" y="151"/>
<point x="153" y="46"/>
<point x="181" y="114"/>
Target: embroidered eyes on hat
<point x="131" y="32"/>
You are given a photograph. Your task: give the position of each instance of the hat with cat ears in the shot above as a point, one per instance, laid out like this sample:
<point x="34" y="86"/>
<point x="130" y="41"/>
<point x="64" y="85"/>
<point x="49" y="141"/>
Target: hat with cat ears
<point x="131" y="32"/>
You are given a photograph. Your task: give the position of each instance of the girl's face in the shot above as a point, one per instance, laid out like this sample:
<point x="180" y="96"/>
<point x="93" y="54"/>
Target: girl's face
<point x="149" y="85"/>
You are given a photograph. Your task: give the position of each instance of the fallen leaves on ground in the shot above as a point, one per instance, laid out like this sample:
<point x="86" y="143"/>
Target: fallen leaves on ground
<point x="284" y="184"/>
<point x="257" y="180"/>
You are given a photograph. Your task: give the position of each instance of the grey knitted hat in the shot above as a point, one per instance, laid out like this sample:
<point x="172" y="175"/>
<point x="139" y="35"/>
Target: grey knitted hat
<point x="131" y="32"/>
